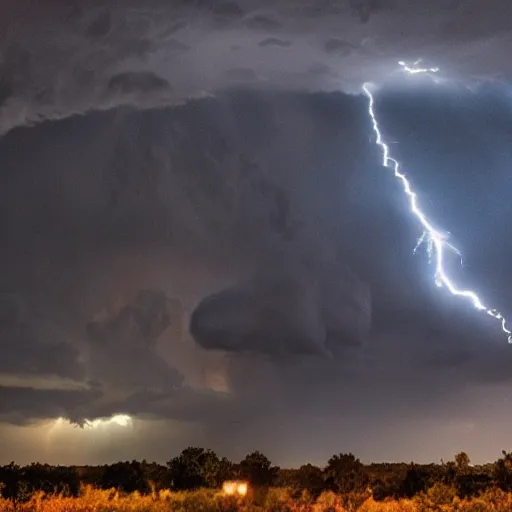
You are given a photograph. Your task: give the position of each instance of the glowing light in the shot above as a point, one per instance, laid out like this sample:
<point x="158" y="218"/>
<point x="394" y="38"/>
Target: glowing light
<point x="123" y="420"/>
<point x="436" y="240"/>
<point x="415" y="70"/>
<point x="230" y="488"/>
<point x="242" y="489"/>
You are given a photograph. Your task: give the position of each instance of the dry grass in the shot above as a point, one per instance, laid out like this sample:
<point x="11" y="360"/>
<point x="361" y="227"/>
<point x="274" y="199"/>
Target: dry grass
<point x="438" y="499"/>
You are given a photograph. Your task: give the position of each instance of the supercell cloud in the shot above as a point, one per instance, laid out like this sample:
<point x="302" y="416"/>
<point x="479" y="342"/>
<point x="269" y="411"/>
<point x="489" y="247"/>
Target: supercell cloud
<point x="193" y="237"/>
<point x="286" y="314"/>
<point x="63" y="58"/>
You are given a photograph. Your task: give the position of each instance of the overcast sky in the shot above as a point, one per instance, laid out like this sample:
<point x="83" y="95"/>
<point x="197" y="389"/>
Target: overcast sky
<point x="196" y="229"/>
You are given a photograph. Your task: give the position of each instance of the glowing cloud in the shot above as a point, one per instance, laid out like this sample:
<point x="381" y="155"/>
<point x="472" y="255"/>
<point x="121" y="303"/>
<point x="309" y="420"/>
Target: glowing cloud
<point x="436" y="240"/>
<point x="415" y="70"/>
<point x="122" y="420"/>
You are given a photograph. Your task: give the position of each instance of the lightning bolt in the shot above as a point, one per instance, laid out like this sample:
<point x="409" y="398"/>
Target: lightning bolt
<point x="436" y="241"/>
<point x="415" y="70"/>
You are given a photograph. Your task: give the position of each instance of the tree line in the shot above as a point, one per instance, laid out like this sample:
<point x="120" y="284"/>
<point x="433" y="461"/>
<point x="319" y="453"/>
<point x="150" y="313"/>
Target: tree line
<point x="198" y="468"/>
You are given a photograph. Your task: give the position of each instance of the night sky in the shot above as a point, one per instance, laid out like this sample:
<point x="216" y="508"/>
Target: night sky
<point x="196" y="230"/>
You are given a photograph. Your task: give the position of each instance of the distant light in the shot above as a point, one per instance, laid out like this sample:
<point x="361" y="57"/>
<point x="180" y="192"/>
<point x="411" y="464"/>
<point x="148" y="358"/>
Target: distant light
<point x="231" y="488"/>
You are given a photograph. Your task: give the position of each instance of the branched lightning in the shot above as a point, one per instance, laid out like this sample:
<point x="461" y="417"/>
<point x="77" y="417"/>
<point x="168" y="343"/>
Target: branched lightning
<point x="415" y="70"/>
<point x="426" y="239"/>
<point x="436" y="241"/>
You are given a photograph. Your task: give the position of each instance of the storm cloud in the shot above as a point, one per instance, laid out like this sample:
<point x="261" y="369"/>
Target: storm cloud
<point x="165" y="53"/>
<point x="275" y="317"/>
<point x="234" y="267"/>
<point x="122" y="345"/>
<point x="107" y="253"/>
<point x="286" y="314"/>
<point x="32" y="349"/>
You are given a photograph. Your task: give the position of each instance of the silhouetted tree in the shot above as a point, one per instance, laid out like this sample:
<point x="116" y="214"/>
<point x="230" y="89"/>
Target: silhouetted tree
<point x="450" y="473"/>
<point x="503" y="472"/>
<point x="416" y="480"/>
<point x="345" y="473"/>
<point x="125" y="476"/>
<point x="91" y="475"/>
<point x="195" y="468"/>
<point x="156" y="475"/>
<point x="52" y="479"/>
<point x="258" y="470"/>
<point x="472" y="484"/>
<point x="462" y="461"/>
<point x="310" y="478"/>
<point x="14" y="487"/>
<point x="225" y="471"/>
<point x="386" y="479"/>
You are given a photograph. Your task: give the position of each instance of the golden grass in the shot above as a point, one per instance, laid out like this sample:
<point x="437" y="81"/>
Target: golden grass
<point x="275" y="500"/>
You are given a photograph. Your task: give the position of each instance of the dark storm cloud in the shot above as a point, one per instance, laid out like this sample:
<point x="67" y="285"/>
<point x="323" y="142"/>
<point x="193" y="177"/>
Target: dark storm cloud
<point x="22" y="405"/>
<point x="12" y="310"/>
<point x="137" y="324"/>
<point x="184" y="404"/>
<point x="338" y="46"/>
<point x="25" y="354"/>
<point x="286" y="314"/>
<point x="280" y="317"/>
<point x="98" y="55"/>
<point x="364" y="8"/>
<point x="122" y="346"/>
<point x="115" y="203"/>
<point x="216" y="202"/>
<point x="136" y="83"/>
<point x="100" y="25"/>
<point x="28" y="350"/>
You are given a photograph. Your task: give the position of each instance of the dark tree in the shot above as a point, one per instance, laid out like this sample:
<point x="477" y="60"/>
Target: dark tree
<point x="503" y="472"/>
<point x="225" y="471"/>
<point x="14" y="487"/>
<point x="450" y="473"/>
<point x="416" y="480"/>
<point x="91" y="475"/>
<point x="310" y="478"/>
<point x="472" y="484"/>
<point x="156" y="475"/>
<point x="52" y="479"/>
<point x="258" y="470"/>
<point x="125" y="476"/>
<point x="462" y="461"/>
<point x="195" y="468"/>
<point x="345" y="473"/>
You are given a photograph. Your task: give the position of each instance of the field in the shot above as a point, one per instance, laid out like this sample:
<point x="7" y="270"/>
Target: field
<point x="439" y="498"/>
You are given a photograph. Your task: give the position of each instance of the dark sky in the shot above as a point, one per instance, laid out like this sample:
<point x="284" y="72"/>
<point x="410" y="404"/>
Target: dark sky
<point x="236" y="271"/>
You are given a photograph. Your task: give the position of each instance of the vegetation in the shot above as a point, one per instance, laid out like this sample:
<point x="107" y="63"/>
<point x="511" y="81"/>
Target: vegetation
<point x="191" y="482"/>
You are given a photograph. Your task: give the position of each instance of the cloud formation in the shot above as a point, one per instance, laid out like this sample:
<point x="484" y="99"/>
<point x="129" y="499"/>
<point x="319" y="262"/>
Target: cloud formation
<point x="99" y="55"/>
<point x="122" y="346"/>
<point x="115" y="226"/>
<point x="112" y="252"/>
<point x="30" y="351"/>
<point x="280" y="317"/>
<point x="286" y="314"/>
